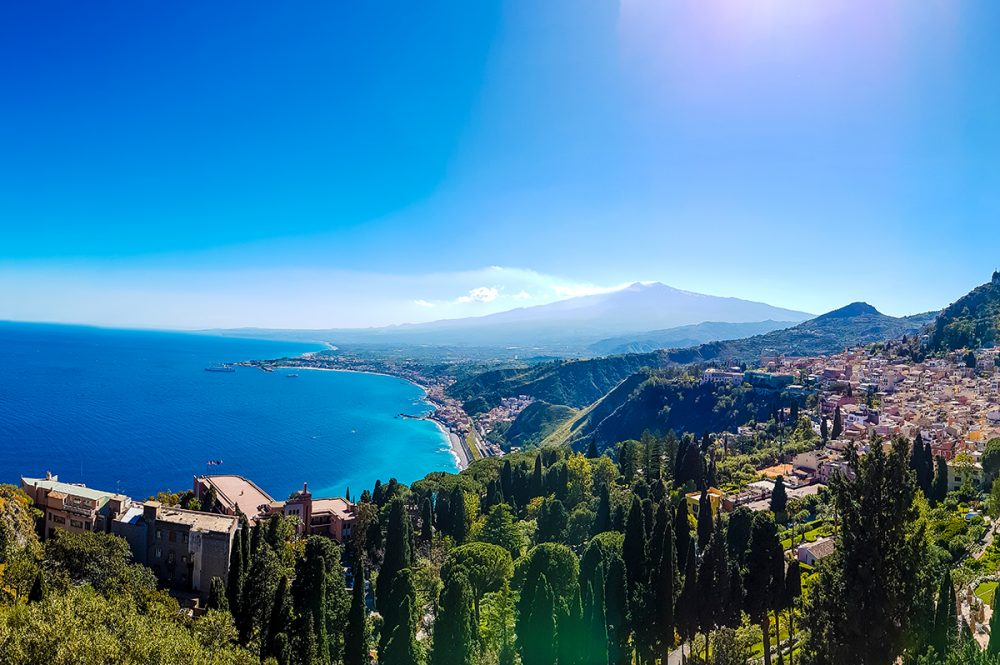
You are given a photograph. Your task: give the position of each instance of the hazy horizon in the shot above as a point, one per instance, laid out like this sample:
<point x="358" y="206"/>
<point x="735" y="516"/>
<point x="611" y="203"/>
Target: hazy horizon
<point x="328" y="166"/>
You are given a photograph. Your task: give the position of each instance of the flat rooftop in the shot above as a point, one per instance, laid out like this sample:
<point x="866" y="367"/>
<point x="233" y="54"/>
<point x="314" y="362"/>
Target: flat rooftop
<point x="238" y="492"/>
<point x="69" y="489"/>
<point x="197" y="520"/>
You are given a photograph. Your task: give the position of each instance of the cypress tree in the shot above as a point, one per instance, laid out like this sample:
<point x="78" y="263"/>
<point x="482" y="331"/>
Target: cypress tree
<point x="312" y="642"/>
<point x="792" y="590"/>
<point x="634" y="548"/>
<point x="664" y="582"/>
<point x="279" y="622"/>
<point x="539" y="643"/>
<point x="507" y="480"/>
<point x="570" y="633"/>
<point x="592" y="449"/>
<point x="682" y="532"/>
<point x="602" y="522"/>
<point x="401" y="610"/>
<point x="401" y="647"/>
<point x="824" y="429"/>
<point x="945" y="617"/>
<point x="459" y="518"/>
<point x="455" y="633"/>
<point x="686" y="610"/>
<point x="398" y="551"/>
<point x="245" y="541"/>
<point x="536" y="478"/>
<point x="356" y="635"/>
<point x="442" y="514"/>
<point x="838" y="423"/>
<point x="595" y="625"/>
<point x="427" y="520"/>
<point x="217" y="599"/>
<point x="553" y="521"/>
<point x="234" y="585"/>
<point x="927" y="468"/>
<point x="764" y="564"/>
<point x="705" y="523"/>
<point x="378" y="494"/>
<point x="615" y="607"/>
<point x="940" y="489"/>
<point x="779" y="499"/>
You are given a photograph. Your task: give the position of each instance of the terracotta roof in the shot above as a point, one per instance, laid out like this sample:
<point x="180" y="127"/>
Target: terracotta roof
<point x="238" y="492"/>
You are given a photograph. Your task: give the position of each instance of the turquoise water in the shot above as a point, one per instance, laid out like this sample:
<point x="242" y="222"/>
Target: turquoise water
<point x="136" y="412"/>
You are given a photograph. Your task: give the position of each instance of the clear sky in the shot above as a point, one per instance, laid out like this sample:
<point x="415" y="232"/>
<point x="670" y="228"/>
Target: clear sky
<point x="312" y="164"/>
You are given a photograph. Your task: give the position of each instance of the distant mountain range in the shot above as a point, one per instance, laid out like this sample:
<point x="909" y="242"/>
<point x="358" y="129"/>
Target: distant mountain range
<point x="856" y="324"/>
<point x="569" y="327"/>
<point x="632" y="395"/>
<point x="684" y="336"/>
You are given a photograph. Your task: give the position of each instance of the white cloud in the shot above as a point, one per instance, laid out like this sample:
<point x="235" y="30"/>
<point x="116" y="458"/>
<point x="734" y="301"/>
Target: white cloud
<point x="577" y="290"/>
<point x="521" y="295"/>
<point x="480" y="294"/>
<point x="420" y="302"/>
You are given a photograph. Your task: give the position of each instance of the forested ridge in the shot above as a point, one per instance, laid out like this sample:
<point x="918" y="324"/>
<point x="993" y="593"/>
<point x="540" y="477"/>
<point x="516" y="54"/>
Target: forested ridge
<point x="546" y="558"/>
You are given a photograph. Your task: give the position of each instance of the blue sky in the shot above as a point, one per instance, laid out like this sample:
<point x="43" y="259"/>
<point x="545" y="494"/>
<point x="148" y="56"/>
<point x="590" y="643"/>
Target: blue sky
<point x="318" y="164"/>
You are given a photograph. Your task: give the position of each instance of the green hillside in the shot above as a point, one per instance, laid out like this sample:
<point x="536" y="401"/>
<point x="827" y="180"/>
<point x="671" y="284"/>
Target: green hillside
<point x="972" y="321"/>
<point x="574" y="383"/>
<point x="538" y="421"/>
<point x="657" y="403"/>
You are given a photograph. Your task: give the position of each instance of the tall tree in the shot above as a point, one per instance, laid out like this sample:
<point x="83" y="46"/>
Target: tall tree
<point x="838" y="423"/>
<point x="792" y="591"/>
<point x="426" y="521"/>
<point x="940" y="488"/>
<point x="276" y="640"/>
<point x="602" y="522"/>
<point x="455" y="627"/>
<point x="686" y="610"/>
<point x="399" y="619"/>
<point x="616" y="612"/>
<point x="765" y="573"/>
<point x="682" y="532"/>
<point x="705" y="521"/>
<point x="664" y="583"/>
<point x="824" y="429"/>
<point x="864" y="605"/>
<point x="459" y="517"/>
<point x="779" y="499"/>
<point x="634" y="548"/>
<point x="401" y="647"/>
<point x="595" y="627"/>
<point x="309" y="595"/>
<point x="234" y="585"/>
<point x="356" y="634"/>
<point x="553" y="521"/>
<point x="398" y="551"/>
<point x="945" y="616"/>
<point x="537" y="631"/>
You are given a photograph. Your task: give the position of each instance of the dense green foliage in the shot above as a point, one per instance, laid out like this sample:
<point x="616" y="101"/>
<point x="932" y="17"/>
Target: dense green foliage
<point x="574" y="383"/>
<point x="972" y="321"/>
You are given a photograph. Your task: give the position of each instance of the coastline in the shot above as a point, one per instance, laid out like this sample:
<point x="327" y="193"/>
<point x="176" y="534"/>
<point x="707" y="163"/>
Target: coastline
<point x="455" y="442"/>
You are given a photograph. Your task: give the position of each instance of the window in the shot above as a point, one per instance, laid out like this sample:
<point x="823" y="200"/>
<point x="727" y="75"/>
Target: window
<point x="76" y="524"/>
<point x="172" y="536"/>
<point x="50" y="517"/>
<point x="159" y="535"/>
<point x="185" y="537"/>
<point x="58" y="519"/>
<point x="158" y="553"/>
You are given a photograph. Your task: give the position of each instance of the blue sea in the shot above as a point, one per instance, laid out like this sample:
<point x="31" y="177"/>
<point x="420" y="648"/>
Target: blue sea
<point x="136" y="412"/>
